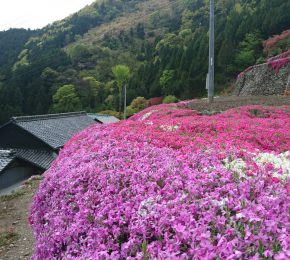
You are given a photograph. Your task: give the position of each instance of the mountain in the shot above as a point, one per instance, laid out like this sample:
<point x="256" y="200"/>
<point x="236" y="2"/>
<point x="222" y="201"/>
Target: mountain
<point x="163" y="42"/>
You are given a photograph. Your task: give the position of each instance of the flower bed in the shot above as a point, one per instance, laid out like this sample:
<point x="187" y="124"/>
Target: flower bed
<point x="170" y="184"/>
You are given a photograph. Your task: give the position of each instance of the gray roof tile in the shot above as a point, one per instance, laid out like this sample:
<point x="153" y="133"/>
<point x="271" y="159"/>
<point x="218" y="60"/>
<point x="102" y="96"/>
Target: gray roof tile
<point x="6" y="157"/>
<point x="104" y="119"/>
<point x="39" y="158"/>
<point x="56" y="129"/>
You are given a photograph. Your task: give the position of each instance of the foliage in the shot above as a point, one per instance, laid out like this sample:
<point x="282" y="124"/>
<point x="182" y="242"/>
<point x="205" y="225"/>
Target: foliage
<point x="79" y="53"/>
<point x="170" y="99"/>
<point x="7" y="236"/>
<point x="166" y="81"/>
<point x="111" y="112"/>
<point x="121" y="74"/>
<point x="277" y="44"/>
<point x="12" y="43"/>
<point x="130" y="111"/>
<point x="66" y="99"/>
<point x="249" y="51"/>
<point x="139" y="103"/>
<point x="88" y="90"/>
<point x="13" y="195"/>
<point x="165" y="43"/>
<point x="170" y="184"/>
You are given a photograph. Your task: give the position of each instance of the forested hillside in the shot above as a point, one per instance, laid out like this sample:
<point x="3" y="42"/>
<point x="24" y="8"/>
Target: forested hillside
<point x="164" y="43"/>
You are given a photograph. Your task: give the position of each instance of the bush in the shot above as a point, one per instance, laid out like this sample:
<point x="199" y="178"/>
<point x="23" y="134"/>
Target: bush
<point x="169" y="184"/>
<point x="136" y="106"/>
<point x="139" y="104"/>
<point x="130" y="111"/>
<point x="170" y="99"/>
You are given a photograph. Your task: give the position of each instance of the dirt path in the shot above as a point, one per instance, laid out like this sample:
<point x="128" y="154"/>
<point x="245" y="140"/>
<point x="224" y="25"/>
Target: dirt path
<point x="16" y="237"/>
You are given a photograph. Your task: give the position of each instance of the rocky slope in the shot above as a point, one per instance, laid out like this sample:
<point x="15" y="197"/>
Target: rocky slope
<point x="269" y="78"/>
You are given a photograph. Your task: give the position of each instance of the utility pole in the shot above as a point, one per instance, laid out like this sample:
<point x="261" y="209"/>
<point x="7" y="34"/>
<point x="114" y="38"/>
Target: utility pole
<point x="211" y="54"/>
<point x="125" y="101"/>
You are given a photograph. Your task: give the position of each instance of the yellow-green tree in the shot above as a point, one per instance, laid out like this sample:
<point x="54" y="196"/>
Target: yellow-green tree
<point x="66" y="100"/>
<point x="121" y="74"/>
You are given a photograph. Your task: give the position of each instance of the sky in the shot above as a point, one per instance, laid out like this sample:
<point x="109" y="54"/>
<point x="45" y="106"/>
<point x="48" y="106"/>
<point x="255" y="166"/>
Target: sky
<point x="36" y="14"/>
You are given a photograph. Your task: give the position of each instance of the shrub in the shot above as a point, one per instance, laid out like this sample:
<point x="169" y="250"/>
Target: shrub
<point x="170" y="99"/>
<point x="130" y="111"/>
<point x="155" y="101"/>
<point x="169" y="184"/>
<point x="139" y="104"/>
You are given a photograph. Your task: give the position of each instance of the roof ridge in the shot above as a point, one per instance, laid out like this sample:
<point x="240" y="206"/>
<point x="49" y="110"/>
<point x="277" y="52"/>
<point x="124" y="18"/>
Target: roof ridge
<point x="48" y="116"/>
<point x="97" y="114"/>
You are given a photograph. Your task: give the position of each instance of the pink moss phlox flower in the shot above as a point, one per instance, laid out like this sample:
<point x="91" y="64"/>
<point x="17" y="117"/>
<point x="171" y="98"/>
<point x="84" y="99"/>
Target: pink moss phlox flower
<point x="168" y="184"/>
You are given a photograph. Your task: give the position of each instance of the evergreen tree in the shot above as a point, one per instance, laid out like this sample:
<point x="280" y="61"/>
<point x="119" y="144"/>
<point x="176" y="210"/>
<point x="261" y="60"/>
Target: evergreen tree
<point x="66" y="100"/>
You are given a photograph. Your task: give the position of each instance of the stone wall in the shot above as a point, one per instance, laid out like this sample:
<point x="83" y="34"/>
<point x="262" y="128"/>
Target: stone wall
<point x="262" y="80"/>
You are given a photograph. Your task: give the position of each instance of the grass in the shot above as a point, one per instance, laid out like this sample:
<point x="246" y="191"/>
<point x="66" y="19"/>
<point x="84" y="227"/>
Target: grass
<point x="12" y="196"/>
<point x="34" y="178"/>
<point x="7" y="236"/>
<point x="21" y="191"/>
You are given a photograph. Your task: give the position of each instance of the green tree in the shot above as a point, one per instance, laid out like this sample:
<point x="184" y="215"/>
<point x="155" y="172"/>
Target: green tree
<point x="121" y="74"/>
<point x="250" y="49"/>
<point x="89" y="91"/>
<point x="79" y="52"/>
<point x="166" y="82"/>
<point x="66" y="100"/>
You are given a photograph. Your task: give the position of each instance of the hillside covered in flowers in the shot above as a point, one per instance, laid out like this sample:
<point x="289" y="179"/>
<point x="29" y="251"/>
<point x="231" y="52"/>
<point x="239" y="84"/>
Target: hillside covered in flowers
<point x="170" y="183"/>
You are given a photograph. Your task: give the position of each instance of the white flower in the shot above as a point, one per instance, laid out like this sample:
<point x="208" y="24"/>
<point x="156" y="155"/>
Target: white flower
<point x="237" y="166"/>
<point x="169" y="128"/>
<point x="281" y="163"/>
<point x="220" y="203"/>
<point x="147" y="206"/>
<point x="240" y="215"/>
<point x="145" y="116"/>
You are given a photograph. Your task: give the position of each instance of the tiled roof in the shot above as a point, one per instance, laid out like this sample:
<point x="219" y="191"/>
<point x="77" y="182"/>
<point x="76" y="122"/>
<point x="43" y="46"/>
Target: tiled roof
<point x="39" y="158"/>
<point x="6" y="157"/>
<point x="55" y="130"/>
<point x="104" y="119"/>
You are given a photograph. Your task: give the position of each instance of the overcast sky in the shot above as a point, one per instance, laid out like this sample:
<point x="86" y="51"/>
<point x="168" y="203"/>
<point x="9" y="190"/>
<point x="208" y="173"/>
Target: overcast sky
<point x="36" y="13"/>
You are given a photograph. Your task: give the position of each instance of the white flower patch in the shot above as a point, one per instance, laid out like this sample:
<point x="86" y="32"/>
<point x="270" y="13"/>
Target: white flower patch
<point x="237" y="166"/>
<point x="281" y="163"/>
<point x="220" y="203"/>
<point x="145" y="116"/>
<point x="147" y="206"/>
<point x="240" y="215"/>
<point x="149" y="123"/>
<point x="169" y="128"/>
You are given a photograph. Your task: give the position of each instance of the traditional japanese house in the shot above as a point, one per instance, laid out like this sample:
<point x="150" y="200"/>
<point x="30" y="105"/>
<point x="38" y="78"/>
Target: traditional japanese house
<point x="29" y="144"/>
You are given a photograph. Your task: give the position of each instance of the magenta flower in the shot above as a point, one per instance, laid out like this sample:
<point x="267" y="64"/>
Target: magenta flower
<point x="170" y="184"/>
